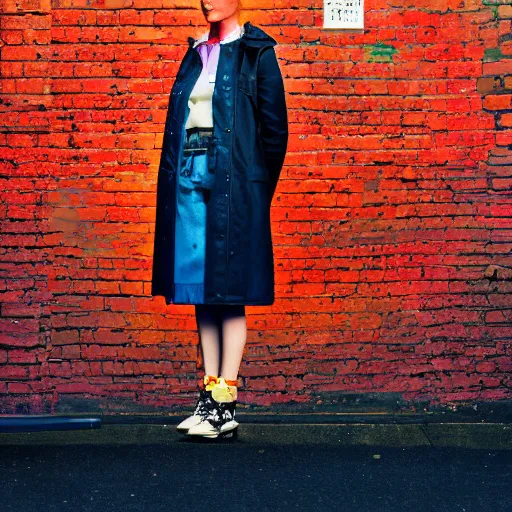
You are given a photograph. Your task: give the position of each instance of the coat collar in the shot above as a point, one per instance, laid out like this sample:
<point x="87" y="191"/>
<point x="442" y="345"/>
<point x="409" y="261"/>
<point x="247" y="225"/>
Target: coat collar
<point x="235" y="34"/>
<point x="251" y="36"/>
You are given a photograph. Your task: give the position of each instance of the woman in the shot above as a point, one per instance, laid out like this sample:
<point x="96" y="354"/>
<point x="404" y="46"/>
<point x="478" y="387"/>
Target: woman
<point x="225" y="141"/>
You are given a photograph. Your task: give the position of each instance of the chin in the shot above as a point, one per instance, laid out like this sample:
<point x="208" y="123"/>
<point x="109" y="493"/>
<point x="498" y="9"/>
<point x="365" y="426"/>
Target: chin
<point x="212" y="18"/>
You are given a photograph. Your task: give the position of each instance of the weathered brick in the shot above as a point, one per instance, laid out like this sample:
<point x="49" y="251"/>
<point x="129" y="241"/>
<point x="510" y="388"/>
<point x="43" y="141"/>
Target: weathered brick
<point x="391" y="223"/>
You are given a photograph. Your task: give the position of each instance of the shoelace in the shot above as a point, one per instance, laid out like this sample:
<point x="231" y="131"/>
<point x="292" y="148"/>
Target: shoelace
<point x="200" y="409"/>
<point x="219" y="413"/>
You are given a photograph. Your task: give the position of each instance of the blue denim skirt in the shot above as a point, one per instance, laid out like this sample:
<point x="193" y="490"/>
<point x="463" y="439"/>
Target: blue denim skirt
<point x="194" y="182"/>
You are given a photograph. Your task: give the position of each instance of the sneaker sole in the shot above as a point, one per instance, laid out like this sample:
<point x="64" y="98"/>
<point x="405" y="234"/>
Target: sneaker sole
<point x="227" y="430"/>
<point x="228" y="436"/>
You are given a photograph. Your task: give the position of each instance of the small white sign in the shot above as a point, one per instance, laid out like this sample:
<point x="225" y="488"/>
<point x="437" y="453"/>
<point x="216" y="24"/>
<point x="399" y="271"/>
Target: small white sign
<point x="343" y="13"/>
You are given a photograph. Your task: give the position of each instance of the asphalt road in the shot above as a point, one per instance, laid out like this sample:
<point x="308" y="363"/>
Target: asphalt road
<point x="251" y="474"/>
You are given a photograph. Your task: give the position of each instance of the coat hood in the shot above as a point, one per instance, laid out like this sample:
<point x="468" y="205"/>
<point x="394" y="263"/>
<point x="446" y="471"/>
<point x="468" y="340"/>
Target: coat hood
<point x="252" y="36"/>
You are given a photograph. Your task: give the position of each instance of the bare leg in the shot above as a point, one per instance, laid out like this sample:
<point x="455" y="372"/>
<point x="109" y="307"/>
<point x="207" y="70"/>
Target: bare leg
<point x="234" y="336"/>
<point x="209" y="335"/>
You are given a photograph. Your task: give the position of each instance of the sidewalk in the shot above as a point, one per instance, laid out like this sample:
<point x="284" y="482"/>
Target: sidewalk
<point x="135" y="463"/>
<point x="363" y="430"/>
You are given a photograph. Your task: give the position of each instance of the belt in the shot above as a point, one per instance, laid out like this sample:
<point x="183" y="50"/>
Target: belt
<point x="201" y="142"/>
<point x="199" y="130"/>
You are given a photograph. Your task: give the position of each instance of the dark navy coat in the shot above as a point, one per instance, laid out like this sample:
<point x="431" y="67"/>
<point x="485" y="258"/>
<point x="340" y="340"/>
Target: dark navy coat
<point x="250" y="133"/>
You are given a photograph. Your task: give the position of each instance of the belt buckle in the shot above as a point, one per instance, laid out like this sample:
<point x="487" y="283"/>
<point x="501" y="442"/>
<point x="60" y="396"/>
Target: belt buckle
<point x="189" y="150"/>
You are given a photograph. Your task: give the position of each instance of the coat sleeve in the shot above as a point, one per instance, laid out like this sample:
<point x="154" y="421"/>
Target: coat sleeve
<point x="272" y="114"/>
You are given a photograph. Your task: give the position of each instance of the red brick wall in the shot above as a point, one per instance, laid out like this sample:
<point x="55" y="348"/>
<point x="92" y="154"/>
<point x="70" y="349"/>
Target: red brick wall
<point x="392" y="221"/>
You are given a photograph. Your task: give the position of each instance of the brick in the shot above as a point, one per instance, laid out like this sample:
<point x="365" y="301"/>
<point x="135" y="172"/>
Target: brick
<point x="391" y="222"/>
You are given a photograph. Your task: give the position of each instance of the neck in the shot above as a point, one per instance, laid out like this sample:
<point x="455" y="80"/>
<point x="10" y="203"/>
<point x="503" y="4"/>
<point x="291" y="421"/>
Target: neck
<point x="220" y="29"/>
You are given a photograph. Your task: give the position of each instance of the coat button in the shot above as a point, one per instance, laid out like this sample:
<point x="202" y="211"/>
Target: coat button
<point x="231" y="252"/>
<point x="218" y="295"/>
<point x="228" y="130"/>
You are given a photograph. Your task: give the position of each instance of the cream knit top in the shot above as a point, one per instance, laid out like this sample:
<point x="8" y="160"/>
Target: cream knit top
<point x="200" y="99"/>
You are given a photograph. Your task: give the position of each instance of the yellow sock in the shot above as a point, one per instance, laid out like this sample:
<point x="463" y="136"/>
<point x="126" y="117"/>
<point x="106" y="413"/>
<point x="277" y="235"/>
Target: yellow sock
<point x="210" y="381"/>
<point x="224" y="392"/>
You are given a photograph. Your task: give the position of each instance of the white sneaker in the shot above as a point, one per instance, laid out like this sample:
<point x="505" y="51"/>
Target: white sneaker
<point x="219" y="420"/>
<point x="199" y="412"/>
<point x="206" y="429"/>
